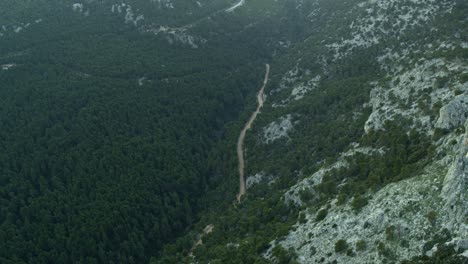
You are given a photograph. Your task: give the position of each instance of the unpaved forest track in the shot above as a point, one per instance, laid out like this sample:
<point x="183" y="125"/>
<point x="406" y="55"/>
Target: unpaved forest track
<point x="208" y="229"/>
<point x="240" y="141"/>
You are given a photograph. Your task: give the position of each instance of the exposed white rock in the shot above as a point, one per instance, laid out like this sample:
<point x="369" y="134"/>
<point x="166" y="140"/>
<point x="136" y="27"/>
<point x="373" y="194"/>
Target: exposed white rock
<point x="260" y="177"/>
<point x="464" y="254"/>
<point x="406" y="94"/>
<point x="17" y="29"/>
<point x="389" y="60"/>
<point x="130" y="16"/>
<point x="288" y="79"/>
<point x="232" y="245"/>
<point x="446" y="46"/>
<point x="301" y="90"/>
<point x="237" y="5"/>
<point x="453" y="114"/>
<point x="455" y="188"/>
<point x="172" y="35"/>
<point x="386" y="17"/>
<point x="6" y="67"/>
<point x="300" y="81"/>
<point x="396" y="215"/>
<point x="164" y="3"/>
<point x="187" y="39"/>
<point x="251" y="180"/>
<point x="116" y="9"/>
<point x="403" y="205"/>
<point x="77" y="7"/>
<point x="278" y="129"/>
<point x="285" y="44"/>
<point x="293" y="195"/>
<point x="141" y="81"/>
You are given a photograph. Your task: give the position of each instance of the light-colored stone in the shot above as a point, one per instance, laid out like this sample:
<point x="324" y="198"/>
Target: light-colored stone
<point x="453" y="114"/>
<point x="278" y="129"/>
<point x="6" y="67"/>
<point x="403" y="205"/>
<point x="454" y="190"/>
<point x="260" y="177"/>
<point x="369" y="30"/>
<point x="77" y="7"/>
<point x="404" y="94"/>
<point x="293" y="195"/>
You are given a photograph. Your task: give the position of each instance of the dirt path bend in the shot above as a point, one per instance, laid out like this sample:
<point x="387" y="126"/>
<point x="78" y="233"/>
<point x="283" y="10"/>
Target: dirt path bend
<point x="240" y="141"/>
<point x="208" y="229"/>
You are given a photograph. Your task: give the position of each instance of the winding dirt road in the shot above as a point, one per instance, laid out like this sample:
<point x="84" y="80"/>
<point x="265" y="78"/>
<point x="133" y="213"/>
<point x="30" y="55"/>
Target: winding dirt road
<point x="240" y="141"/>
<point x="208" y="229"/>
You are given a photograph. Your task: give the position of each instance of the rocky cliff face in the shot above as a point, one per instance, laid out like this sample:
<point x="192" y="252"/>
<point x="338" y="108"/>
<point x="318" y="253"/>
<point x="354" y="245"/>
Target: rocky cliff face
<point x="455" y="186"/>
<point x="453" y="114"/>
<point x="423" y="88"/>
<point x="400" y="221"/>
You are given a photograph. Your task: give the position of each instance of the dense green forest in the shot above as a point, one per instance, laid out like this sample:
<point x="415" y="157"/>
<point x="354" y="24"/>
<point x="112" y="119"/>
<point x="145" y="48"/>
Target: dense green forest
<point x="119" y="122"/>
<point x="97" y="165"/>
<point x="108" y="133"/>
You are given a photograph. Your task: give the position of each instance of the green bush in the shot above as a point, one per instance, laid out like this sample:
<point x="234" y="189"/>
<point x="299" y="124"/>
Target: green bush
<point x="439" y="133"/>
<point x="284" y="256"/>
<point x="341" y="246"/>
<point x="463" y="78"/>
<point x="381" y="248"/>
<point x="445" y="254"/>
<point x="321" y="215"/>
<point x="404" y="243"/>
<point x="358" y="202"/>
<point x="302" y="218"/>
<point x="390" y="233"/>
<point x="361" y="245"/>
<point x="441" y="81"/>
<point x="458" y="92"/>
<point x="436" y="108"/>
<point x="306" y="195"/>
<point x="432" y="217"/>
<point x="350" y="253"/>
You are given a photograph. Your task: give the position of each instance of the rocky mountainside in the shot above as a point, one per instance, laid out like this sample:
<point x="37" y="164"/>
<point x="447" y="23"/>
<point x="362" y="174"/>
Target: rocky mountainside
<point x="363" y="136"/>
<point x="420" y="87"/>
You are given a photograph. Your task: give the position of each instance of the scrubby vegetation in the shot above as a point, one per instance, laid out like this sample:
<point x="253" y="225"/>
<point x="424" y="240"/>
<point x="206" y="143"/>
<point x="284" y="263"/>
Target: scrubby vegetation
<point x="341" y="246"/>
<point x="321" y="215"/>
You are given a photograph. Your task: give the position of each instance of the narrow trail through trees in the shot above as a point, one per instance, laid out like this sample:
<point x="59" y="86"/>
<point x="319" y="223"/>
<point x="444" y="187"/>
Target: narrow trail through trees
<point x="208" y="229"/>
<point x="240" y="141"/>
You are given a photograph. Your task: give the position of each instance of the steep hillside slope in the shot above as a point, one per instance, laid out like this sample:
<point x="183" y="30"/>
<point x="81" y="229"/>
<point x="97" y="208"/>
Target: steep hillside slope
<point x="418" y="100"/>
<point x="359" y="153"/>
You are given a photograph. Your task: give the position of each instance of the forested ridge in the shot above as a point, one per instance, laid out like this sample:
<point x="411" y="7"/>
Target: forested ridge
<point x="105" y="134"/>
